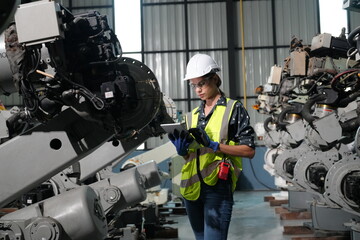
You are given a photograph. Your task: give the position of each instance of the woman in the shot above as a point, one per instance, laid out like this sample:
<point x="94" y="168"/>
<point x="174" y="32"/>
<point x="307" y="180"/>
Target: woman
<point x="222" y="128"/>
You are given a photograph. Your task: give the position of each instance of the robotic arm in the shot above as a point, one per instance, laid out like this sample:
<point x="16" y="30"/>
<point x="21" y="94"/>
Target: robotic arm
<point x="81" y="97"/>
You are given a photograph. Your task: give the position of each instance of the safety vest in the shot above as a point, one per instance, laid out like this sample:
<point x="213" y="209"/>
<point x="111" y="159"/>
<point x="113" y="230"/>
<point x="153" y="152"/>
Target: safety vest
<point x="202" y="163"/>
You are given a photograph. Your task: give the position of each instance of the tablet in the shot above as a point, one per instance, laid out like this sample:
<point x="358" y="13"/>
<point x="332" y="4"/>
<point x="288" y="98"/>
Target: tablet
<point x="170" y="127"/>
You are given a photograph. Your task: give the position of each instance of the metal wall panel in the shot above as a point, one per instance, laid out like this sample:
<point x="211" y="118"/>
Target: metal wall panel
<point x="354" y="20"/>
<point x="296" y="17"/>
<point x="257" y="63"/>
<point x="207" y="25"/>
<point x="169" y="70"/>
<point x="255" y="117"/>
<point x="160" y="1"/>
<point x="65" y="3"/>
<point x="195" y="103"/>
<point x="164" y="27"/>
<point x="90" y="3"/>
<point x="207" y="0"/>
<point x="281" y="53"/>
<point x="110" y="16"/>
<point x="172" y="1"/>
<point x="292" y="17"/>
<point x="258" y="26"/>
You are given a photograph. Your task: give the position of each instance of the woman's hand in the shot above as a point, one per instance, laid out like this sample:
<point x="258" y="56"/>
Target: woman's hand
<point x="181" y="141"/>
<point x="201" y="137"/>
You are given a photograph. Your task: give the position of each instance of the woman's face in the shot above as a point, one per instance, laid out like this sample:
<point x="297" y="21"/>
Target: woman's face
<point x="205" y="88"/>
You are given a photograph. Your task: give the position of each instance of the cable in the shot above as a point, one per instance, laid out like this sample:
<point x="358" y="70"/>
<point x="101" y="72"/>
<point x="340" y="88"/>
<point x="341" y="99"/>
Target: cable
<point x="96" y="101"/>
<point x="263" y="184"/>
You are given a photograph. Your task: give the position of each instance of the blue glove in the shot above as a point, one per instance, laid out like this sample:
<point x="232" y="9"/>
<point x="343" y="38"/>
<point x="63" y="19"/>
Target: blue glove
<point x="181" y="141"/>
<point x="201" y="137"/>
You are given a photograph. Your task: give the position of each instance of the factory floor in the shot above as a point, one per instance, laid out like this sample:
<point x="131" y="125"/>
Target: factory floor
<point x="253" y="219"/>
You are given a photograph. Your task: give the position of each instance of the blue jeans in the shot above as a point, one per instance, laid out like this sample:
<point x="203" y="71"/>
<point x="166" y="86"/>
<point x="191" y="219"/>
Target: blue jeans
<point x="210" y="214"/>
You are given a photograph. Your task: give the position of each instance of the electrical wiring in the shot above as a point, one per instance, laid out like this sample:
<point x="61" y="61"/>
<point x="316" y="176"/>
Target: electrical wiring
<point x="259" y="181"/>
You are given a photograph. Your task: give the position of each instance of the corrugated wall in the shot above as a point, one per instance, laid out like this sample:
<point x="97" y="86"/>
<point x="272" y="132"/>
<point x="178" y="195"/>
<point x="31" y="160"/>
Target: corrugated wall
<point x="296" y="17"/>
<point x="207" y="25"/>
<point x="176" y="30"/>
<point x="354" y="20"/>
<point x="267" y="38"/>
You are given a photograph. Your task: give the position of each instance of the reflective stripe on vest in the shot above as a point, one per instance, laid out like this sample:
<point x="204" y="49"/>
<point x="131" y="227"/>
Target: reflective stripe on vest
<point x="192" y="155"/>
<point x="218" y="131"/>
<point x="195" y="178"/>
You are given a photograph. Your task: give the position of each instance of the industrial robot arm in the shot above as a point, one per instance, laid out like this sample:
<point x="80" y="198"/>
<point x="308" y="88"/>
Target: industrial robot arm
<point x="80" y="95"/>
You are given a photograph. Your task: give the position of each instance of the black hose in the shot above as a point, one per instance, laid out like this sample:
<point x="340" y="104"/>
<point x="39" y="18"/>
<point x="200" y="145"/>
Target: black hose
<point x="266" y="124"/>
<point x="351" y="36"/>
<point x="350" y="125"/>
<point x="306" y="111"/>
<point x="344" y="102"/>
<point x="259" y="181"/>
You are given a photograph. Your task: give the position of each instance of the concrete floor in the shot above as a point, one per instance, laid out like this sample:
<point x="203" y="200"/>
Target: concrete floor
<point x="252" y="219"/>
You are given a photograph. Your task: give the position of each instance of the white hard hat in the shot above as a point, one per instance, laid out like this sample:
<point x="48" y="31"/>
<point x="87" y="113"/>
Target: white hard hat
<point x="200" y="65"/>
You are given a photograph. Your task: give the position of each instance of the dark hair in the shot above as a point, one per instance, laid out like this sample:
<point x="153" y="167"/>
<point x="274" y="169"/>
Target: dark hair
<point x="214" y="76"/>
<point x="210" y="76"/>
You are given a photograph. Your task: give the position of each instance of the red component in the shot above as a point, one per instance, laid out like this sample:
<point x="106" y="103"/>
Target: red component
<point x="224" y="170"/>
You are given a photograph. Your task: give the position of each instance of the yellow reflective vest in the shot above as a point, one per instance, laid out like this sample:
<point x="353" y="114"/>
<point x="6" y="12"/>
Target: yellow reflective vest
<point x="202" y="163"/>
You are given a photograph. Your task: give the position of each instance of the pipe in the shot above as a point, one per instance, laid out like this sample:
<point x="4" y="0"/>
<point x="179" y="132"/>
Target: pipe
<point x="351" y="38"/>
<point x="306" y="111"/>
<point x="243" y="51"/>
<point x="266" y="124"/>
<point x="344" y="102"/>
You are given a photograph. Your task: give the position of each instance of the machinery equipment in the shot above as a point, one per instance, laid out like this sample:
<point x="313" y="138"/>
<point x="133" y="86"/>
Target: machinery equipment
<point x="85" y="107"/>
<point x="313" y="103"/>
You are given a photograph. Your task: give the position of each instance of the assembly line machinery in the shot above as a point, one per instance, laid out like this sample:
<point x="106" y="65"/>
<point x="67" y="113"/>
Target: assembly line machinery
<point x="85" y="108"/>
<point x="312" y="132"/>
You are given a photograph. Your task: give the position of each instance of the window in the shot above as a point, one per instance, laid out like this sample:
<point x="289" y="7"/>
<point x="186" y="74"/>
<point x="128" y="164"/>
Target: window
<point x="128" y="27"/>
<point x="332" y="17"/>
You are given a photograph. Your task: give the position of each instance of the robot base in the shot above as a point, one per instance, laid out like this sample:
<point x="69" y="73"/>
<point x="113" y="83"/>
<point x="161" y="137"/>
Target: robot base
<point x="299" y="200"/>
<point x="330" y="221"/>
<point x="355" y="232"/>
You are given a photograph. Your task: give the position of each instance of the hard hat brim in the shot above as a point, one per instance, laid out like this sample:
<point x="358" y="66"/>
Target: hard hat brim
<point x="213" y="70"/>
